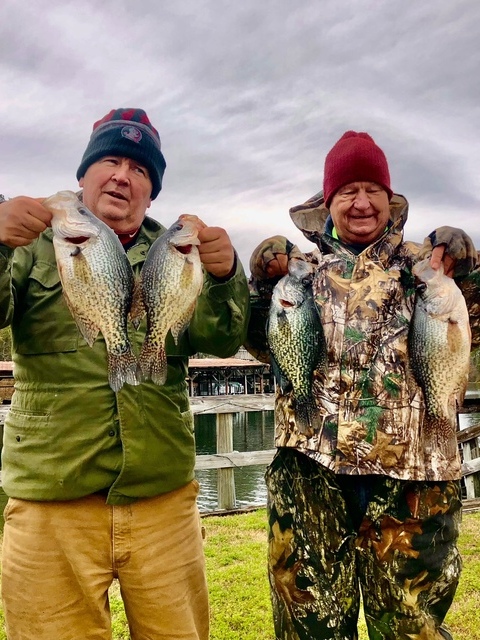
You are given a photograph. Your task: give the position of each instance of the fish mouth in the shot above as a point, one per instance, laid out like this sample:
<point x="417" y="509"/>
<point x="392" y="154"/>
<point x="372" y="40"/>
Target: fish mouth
<point x="78" y="239"/>
<point x="185" y="249"/>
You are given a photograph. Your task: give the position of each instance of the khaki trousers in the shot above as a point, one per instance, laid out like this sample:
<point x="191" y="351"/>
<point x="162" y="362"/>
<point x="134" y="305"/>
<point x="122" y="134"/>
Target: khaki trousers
<point x="60" y="558"/>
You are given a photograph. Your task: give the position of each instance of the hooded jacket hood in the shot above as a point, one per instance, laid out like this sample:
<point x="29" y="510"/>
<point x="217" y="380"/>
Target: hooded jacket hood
<point x="311" y="216"/>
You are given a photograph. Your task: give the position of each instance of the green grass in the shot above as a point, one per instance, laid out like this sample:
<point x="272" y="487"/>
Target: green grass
<point x="235" y="549"/>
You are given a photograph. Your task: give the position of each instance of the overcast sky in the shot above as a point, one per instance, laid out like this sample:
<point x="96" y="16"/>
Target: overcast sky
<point x="248" y="97"/>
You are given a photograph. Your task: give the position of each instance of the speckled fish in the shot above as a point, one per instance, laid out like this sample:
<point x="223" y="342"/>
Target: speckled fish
<point x="97" y="281"/>
<point x="171" y="281"/>
<point x="296" y="339"/>
<point x="439" y="344"/>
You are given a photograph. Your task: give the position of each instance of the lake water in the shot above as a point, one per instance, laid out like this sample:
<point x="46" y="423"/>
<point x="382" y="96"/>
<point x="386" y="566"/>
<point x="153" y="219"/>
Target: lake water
<point x="253" y="431"/>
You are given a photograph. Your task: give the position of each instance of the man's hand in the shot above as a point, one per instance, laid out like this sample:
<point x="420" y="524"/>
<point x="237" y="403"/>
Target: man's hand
<point x="454" y="248"/>
<point x="216" y="251"/>
<point x="22" y="220"/>
<point x="270" y="258"/>
<point x="215" y="248"/>
<point x="439" y="255"/>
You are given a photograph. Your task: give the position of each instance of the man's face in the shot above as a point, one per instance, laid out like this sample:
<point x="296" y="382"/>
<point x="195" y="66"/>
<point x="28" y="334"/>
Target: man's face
<point x="360" y="212"/>
<point x="117" y="190"/>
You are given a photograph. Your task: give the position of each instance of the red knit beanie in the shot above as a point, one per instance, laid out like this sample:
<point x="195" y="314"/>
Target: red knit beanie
<point x="354" y="158"/>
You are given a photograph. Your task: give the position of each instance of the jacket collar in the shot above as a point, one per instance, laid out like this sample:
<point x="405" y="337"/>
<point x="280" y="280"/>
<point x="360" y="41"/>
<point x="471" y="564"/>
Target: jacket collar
<point x="311" y="218"/>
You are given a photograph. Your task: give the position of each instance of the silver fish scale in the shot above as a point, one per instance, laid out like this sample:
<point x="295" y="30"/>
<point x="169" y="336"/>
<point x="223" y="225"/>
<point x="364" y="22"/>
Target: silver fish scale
<point x="97" y="282"/>
<point x="295" y="336"/>
<point x="439" y="342"/>
<point x="171" y="284"/>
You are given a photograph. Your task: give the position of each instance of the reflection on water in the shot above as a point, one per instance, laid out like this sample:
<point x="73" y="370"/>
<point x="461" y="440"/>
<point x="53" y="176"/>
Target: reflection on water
<point x="252" y="431"/>
<point x="468" y="420"/>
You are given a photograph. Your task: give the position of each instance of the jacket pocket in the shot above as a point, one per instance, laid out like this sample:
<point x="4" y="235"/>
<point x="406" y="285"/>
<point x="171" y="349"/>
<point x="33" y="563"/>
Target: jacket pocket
<point x="45" y="324"/>
<point x="24" y="433"/>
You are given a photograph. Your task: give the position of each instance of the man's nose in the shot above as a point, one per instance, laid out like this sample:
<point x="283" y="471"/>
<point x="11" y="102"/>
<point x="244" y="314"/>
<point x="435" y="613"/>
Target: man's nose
<point x="120" y="173"/>
<point x="361" y="200"/>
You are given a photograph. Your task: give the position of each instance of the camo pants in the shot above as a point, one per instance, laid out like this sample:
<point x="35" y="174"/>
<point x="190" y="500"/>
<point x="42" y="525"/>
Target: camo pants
<point x="332" y="535"/>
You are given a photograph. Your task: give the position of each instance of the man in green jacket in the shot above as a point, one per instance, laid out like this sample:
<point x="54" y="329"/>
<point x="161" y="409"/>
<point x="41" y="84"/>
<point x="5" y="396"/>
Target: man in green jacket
<point x="101" y="484"/>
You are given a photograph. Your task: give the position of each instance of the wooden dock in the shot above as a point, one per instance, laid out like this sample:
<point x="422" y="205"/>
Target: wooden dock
<point x="233" y="403"/>
<point x="225" y="460"/>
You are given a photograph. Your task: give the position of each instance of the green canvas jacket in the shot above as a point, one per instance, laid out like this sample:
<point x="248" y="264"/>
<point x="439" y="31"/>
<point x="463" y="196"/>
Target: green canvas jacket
<point x="67" y="434"/>
<point x="371" y="410"/>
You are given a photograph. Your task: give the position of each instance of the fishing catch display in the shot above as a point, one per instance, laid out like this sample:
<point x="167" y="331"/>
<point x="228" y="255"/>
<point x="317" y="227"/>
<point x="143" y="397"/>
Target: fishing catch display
<point x="103" y="295"/>
<point x="296" y="340"/>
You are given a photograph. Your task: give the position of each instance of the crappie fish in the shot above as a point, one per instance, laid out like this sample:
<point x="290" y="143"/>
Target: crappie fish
<point x="296" y="339"/>
<point x="97" y="281"/>
<point x="171" y="281"/>
<point x="439" y="347"/>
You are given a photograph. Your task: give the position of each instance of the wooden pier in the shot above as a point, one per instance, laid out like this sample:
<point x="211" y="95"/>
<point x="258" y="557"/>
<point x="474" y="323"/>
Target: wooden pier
<point x="225" y="460"/>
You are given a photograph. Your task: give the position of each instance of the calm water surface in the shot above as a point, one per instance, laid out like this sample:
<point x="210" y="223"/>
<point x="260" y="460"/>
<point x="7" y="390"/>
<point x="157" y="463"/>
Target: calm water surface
<point x="252" y="431"/>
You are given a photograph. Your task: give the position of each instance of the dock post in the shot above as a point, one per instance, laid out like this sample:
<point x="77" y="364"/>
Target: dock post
<point x="225" y="477"/>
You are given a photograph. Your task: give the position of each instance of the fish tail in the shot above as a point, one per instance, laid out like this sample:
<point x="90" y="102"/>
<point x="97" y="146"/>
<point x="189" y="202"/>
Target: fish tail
<point x="123" y="368"/>
<point x="153" y="362"/>
<point x="305" y="415"/>
<point x="439" y="435"/>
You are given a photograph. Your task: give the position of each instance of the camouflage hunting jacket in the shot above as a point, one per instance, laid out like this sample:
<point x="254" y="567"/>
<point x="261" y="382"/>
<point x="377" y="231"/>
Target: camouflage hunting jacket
<point x="370" y="409"/>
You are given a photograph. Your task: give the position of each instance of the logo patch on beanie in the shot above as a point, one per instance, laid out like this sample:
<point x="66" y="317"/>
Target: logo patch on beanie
<point x="131" y="133"/>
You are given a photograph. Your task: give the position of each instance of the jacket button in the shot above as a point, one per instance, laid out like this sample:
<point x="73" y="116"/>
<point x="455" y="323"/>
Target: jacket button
<point x="111" y="433"/>
<point x="18" y="438"/>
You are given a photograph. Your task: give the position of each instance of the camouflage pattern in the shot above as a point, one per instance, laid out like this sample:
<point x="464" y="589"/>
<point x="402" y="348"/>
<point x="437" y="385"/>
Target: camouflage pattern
<point x="370" y="407"/>
<point x="331" y="535"/>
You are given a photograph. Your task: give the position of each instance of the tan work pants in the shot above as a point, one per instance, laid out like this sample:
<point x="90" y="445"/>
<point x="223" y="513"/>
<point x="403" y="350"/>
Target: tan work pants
<point x="60" y="558"/>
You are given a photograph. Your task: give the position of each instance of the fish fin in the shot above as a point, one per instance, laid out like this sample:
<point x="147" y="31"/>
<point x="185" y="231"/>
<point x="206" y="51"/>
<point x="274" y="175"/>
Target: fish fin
<point x="180" y="326"/>
<point x="137" y="307"/>
<point x="439" y="435"/>
<point x="123" y="368"/>
<point x="153" y="362"/>
<point x="88" y="329"/>
<point x="282" y="381"/>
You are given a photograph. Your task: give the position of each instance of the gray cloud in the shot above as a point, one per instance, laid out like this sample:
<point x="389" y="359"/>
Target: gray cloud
<point x="248" y="98"/>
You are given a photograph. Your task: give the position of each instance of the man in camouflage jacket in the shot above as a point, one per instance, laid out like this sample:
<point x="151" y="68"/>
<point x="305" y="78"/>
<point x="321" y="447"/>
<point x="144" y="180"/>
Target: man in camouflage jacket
<point x="356" y="499"/>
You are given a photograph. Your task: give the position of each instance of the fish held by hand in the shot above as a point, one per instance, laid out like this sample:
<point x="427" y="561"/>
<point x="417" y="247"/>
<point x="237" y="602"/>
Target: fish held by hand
<point x="296" y="340"/>
<point x="97" y="281"/>
<point x="171" y="281"/>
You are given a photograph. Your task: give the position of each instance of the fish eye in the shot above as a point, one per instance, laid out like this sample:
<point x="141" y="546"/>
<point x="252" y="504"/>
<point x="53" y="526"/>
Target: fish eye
<point x="82" y="211"/>
<point x="178" y="227"/>
<point x="421" y="287"/>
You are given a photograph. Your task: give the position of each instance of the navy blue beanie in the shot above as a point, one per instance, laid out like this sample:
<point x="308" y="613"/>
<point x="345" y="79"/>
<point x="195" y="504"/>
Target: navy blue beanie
<point x="126" y="133"/>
